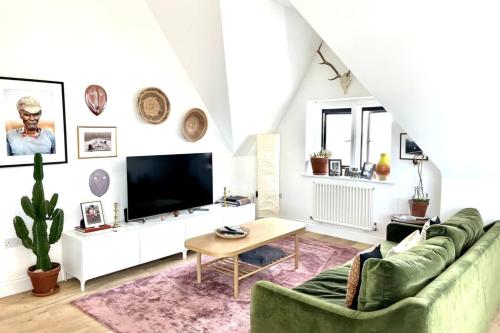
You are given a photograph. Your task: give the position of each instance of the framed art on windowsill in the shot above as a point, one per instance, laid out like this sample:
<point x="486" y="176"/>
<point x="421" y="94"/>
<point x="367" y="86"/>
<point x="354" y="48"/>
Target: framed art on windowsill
<point x="97" y="141"/>
<point x="368" y="170"/>
<point x="33" y="116"/>
<point x="335" y="167"/>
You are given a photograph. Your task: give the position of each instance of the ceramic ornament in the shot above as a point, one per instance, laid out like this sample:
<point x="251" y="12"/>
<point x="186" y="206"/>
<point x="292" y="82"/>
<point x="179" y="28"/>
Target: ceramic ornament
<point x="96" y="98"/>
<point x="99" y="182"/>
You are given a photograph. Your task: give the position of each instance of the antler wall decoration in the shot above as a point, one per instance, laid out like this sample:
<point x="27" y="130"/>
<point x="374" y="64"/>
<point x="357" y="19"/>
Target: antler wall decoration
<point x="345" y="79"/>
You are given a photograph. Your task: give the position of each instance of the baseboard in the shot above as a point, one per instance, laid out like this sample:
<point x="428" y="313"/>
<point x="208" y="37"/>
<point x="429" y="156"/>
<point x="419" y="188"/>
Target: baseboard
<point x="20" y="284"/>
<point x="368" y="237"/>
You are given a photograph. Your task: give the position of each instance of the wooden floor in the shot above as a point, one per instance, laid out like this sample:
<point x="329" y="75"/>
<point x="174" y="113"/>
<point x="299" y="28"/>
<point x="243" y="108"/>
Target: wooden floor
<point x="25" y="313"/>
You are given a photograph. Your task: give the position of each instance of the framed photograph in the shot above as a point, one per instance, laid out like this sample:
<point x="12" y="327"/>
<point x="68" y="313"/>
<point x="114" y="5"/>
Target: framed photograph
<point x="367" y="171"/>
<point x="98" y="141"/>
<point x="32" y="120"/>
<point x="92" y="214"/>
<point x="334" y="167"/>
<point x="408" y="149"/>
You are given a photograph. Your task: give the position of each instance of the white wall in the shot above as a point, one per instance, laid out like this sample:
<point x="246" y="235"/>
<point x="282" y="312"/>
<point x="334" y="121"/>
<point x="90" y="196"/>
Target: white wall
<point x="268" y="48"/>
<point x="296" y="202"/>
<point x="194" y="30"/>
<point x="121" y="48"/>
<point x="436" y="71"/>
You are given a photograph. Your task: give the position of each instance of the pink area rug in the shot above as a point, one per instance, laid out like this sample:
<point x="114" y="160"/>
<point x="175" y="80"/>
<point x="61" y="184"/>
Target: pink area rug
<point x="172" y="301"/>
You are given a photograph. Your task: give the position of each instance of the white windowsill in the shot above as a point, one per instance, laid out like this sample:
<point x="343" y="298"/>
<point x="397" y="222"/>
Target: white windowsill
<point x="349" y="179"/>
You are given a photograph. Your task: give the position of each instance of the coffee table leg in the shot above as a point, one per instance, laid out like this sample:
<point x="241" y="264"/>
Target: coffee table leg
<point x="296" y="251"/>
<point x="236" y="277"/>
<point x="198" y="267"/>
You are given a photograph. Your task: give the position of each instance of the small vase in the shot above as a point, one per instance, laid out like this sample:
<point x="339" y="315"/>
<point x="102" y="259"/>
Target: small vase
<point x="383" y="167"/>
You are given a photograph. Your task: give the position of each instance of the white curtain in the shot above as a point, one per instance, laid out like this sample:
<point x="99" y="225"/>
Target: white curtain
<point x="268" y="177"/>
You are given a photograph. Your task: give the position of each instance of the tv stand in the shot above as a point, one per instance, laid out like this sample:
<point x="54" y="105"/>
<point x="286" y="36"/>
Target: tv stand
<point x="88" y="256"/>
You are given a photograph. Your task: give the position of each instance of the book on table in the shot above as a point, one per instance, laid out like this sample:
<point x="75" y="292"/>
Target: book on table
<point x="92" y="229"/>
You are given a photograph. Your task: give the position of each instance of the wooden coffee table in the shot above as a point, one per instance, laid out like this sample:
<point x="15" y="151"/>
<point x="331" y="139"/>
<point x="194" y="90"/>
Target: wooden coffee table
<point x="227" y="251"/>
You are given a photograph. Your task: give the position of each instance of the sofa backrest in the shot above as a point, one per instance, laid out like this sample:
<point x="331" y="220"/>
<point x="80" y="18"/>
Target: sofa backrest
<point x="464" y="229"/>
<point x="464" y="298"/>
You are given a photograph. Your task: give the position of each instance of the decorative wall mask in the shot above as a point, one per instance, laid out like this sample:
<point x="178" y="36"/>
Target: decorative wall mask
<point x="154" y="106"/>
<point x="96" y="98"/>
<point x="99" y="182"/>
<point x="345" y="79"/>
<point x="195" y="125"/>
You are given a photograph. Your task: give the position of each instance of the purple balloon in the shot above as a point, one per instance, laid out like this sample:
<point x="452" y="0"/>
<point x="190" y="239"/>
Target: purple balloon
<point x="99" y="182"/>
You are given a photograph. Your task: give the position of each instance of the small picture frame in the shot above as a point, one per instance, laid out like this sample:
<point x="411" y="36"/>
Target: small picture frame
<point x="92" y="214"/>
<point x="409" y="150"/>
<point x="97" y="141"/>
<point x="367" y="171"/>
<point x="335" y="167"/>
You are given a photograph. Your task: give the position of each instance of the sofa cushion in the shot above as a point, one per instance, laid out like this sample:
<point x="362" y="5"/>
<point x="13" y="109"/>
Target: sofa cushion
<point x="330" y="285"/>
<point x="389" y="280"/>
<point x="354" y="279"/>
<point x="464" y="228"/>
<point x="409" y="242"/>
<point x="386" y="246"/>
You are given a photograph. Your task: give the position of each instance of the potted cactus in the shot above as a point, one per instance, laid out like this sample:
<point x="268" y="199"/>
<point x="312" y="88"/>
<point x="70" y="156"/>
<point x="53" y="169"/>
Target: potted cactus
<point x="319" y="162"/>
<point x="44" y="274"/>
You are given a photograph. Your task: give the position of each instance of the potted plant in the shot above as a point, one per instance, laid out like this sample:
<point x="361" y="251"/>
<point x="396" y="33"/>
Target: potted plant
<point x="44" y="274"/>
<point x="420" y="200"/>
<point x="319" y="162"/>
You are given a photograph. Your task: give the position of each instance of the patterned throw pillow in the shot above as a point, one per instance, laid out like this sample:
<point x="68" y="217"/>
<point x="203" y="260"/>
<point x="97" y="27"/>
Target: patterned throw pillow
<point x="354" y="280"/>
<point x="410" y="241"/>
<point x="431" y="221"/>
<point x="423" y="233"/>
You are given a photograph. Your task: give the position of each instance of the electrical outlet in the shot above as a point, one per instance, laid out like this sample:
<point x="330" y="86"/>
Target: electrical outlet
<point x="12" y="242"/>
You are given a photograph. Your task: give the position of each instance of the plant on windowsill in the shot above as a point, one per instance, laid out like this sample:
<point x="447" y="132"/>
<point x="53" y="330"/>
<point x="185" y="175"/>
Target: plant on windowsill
<point x="319" y="162"/>
<point x="420" y="200"/>
<point x="44" y="274"/>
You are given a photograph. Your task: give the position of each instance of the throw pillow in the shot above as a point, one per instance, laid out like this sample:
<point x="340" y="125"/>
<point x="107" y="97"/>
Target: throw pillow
<point x="354" y="279"/>
<point x="435" y="220"/>
<point x="389" y="280"/>
<point x="423" y="232"/>
<point x="410" y="241"/>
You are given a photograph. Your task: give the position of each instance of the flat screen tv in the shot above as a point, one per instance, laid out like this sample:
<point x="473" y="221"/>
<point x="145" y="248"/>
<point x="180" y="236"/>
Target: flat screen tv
<point x="165" y="183"/>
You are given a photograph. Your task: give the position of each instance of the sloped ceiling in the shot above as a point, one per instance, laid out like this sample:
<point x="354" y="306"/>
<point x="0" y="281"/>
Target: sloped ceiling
<point x="432" y="68"/>
<point x="245" y="58"/>
<point x="194" y="30"/>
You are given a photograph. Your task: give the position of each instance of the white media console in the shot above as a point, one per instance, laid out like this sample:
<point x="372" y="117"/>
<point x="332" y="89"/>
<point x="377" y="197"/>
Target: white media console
<point x="134" y="243"/>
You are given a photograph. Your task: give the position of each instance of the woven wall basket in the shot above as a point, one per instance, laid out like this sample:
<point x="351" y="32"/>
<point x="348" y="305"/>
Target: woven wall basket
<point x="195" y="125"/>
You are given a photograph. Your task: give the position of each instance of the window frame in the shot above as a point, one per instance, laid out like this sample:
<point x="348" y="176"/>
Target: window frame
<point x="325" y="113"/>
<point x="370" y="109"/>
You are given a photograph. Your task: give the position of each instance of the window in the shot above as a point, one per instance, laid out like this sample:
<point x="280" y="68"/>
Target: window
<point x="336" y="133"/>
<point x="354" y="130"/>
<point x="376" y="133"/>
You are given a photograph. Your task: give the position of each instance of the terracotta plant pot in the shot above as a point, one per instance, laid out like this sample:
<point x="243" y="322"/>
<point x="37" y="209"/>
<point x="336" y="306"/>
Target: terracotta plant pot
<point x="44" y="283"/>
<point x="418" y="207"/>
<point x="319" y="165"/>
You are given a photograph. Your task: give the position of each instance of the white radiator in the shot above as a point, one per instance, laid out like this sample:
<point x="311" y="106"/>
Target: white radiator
<point x="343" y="204"/>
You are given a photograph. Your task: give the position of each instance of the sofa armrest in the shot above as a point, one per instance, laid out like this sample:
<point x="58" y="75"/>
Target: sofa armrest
<point x="397" y="231"/>
<point x="278" y="309"/>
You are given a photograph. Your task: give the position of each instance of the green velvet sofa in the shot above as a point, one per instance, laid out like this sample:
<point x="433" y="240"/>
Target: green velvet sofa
<point x="463" y="298"/>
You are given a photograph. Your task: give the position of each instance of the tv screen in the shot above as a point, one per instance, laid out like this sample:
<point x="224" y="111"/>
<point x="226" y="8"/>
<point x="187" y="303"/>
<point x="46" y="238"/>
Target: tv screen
<point x="166" y="183"/>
